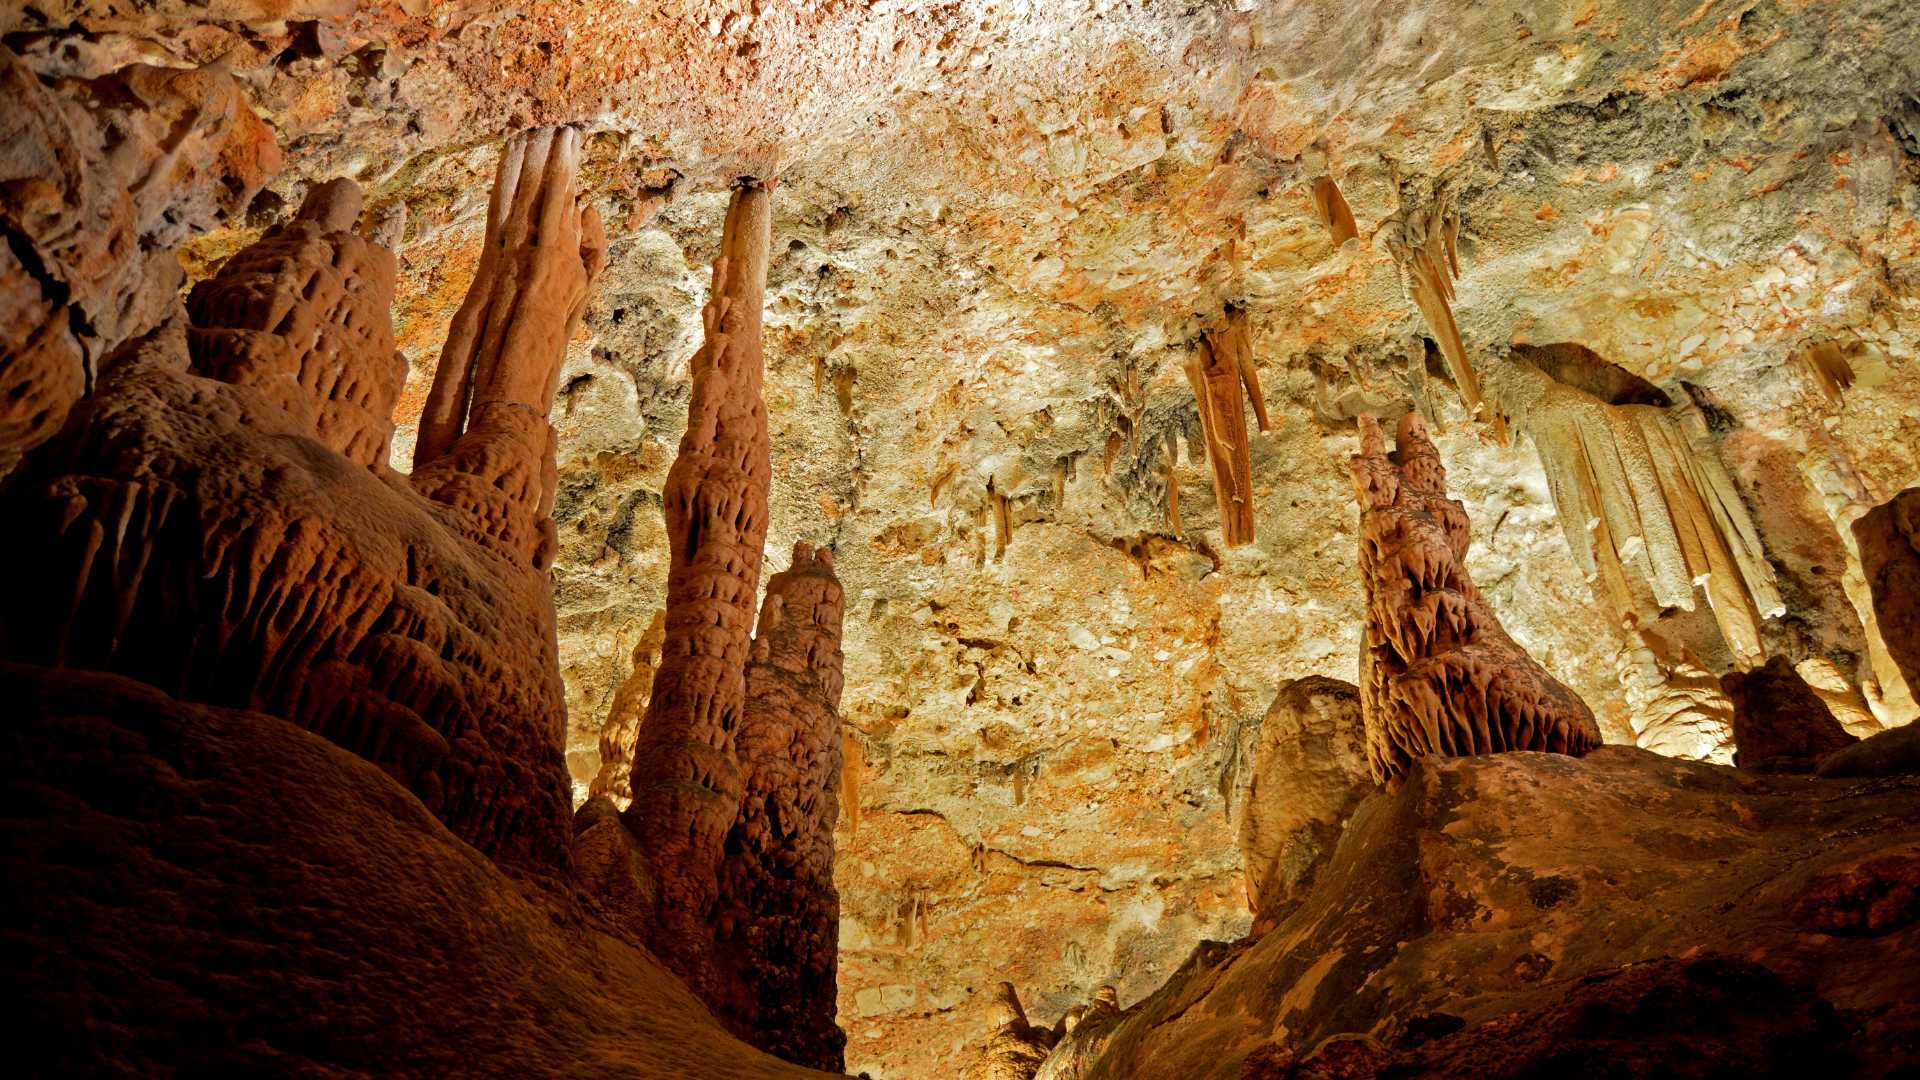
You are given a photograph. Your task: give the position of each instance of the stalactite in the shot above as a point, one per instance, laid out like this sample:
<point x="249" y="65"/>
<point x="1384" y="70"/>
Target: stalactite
<point x="1647" y="507"/>
<point x="1825" y="362"/>
<point x="1438" y="674"/>
<point x="777" y="916"/>
<point x="687" y="782"/>
<point x="1424" y="240"/>
<point x="1219" y="369"/>
<point x="1334" y="213"/>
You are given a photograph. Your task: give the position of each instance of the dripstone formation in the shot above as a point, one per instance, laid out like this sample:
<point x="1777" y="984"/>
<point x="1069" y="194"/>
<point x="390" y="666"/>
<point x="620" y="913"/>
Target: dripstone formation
<point x="1438" y="674"/>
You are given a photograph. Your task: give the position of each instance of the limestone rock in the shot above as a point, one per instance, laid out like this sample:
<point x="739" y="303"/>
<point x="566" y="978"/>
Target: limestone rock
<point x="1492" y="870"/>
<point x="1889" y="539"/>
<point x="1779" y="723"/>
<point x="1438" y="674"/>
<point x="1014" y="1048"/>
<point x="622" y="727"/>
<point x="1309" y="770"/>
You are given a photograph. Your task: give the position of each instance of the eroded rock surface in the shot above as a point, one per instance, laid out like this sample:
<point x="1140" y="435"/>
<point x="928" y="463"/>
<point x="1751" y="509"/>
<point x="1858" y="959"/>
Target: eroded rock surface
<point x="1438" y="674"/>
<point x="1889" y="539"/>
<point x="1779" y="723"/>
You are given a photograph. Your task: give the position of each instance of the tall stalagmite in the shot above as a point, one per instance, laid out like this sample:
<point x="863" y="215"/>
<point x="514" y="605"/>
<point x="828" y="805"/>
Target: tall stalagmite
<point x="687" y="782"/>
<point x="1647" y="507"/>
<point x="776" y="921"/>
<point x="200" y="529"/>
<point x="1219" y="369"/>
<point x="1438" y="674"/>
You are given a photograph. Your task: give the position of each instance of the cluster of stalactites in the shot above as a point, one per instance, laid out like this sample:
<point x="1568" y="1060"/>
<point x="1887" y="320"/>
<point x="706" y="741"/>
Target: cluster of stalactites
<point x="303" y="315"/>
<point x="1439" y="675"/>
<point x="485" y="447"/>
<point x="1648" y="509"/>
<point x="1424" y="240"/>
<point x="1220" y="370"/>
<point x="686" y="778"/>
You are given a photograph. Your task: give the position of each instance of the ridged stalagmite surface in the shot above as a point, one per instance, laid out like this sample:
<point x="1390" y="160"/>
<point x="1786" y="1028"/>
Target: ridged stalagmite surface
<point x="687" y="782"/>
<point x="1438" y="674"/>
<point x="776" y="922"/>
<point x="1219" y="368"/>
<point x="305" y="315"/>
<point x="1647" y="507"/>
<point x="198" y="530"/>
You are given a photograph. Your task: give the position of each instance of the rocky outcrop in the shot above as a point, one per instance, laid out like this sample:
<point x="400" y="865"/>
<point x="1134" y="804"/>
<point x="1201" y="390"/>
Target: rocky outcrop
<point x="100" y="181"/>
<point x="1013" y="1049"/>
<point x="1889" y="539"/>
<point x="1308" y="771"/>
<point x="687" y="781"/>
<point x="1219" y="369"/>
<point x="1779" y="723"/>
<point x="1649" y="511"/>
<point x="1491" y="871"/>
<point x="199" y="890"/>
<point x="200" y="532"/>
<point x="777" y="918"/>
<point x="1438" y="674"/>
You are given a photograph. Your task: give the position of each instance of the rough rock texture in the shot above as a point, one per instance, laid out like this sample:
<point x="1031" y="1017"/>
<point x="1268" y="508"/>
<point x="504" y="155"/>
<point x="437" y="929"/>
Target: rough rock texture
<point x="777" y="918"/>
<point x="1013" y="1049"/>
<point x="1889" y="539"/>
<point x="1307" y="769"/>
<point x="687" y="779"/>
<point x="1438" y="674"/>
<point x="198" y="890"/>
<point x="1554" y="935"/>
<point x="629" y="708"/>
<point x="1013" y="221"/>
<point x="199" y="534"/>
<point x="100" y="180"/>
<point x="1779" y="723"/>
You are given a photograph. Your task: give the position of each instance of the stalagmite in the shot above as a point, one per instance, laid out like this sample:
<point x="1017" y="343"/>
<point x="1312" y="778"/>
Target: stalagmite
<point x="1424" y="240"/>
<point x="1648" y="509"/>
<point x="1219" y="369"/>
<point x="485" y="446"/>
<point x="1438" y="674"/>
<point x="628" y="708"/>
<point x="1014" y="1048"/>
<point x="304" y="315"/>
<point x="1779" y="723"/>
<point x="202" y="530"/>
<point x="777" y="916"/>
<point x="687" y="781"/>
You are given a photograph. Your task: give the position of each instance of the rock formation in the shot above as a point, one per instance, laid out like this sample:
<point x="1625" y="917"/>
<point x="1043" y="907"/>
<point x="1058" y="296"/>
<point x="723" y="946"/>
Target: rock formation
<point x="622" y="727"/>
<point x="1438" y="674"/>
<point x="1218" y="369"/>
<point x="101" y="180"/>
<point x="201" y="534"/>
<point x="687" y="781"/>
<point x="1424" y="239"/>
<point x="776" y="922"/>
<point x="1648" y="509"/>
<point x="1889" y="539"/>
<point x="1013" y="1049"/>
<point x="1688" y="715"/>
<point x="1308" y="770"/>
<point x="1555" y="893"/>
<point x="1779" y="723"/>
<point x="1333" y="211"/>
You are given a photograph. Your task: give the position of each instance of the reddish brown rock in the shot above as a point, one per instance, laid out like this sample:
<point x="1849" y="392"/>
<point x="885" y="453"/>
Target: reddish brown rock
<point x="687" y="782"/>
<point x="99" y="181"/>
<point x="777" y="917"/>
<point x="305" y="315"/>
<point x="1779" y="723"/>
<point x="1438" y="674"/>
<point x="1014" y="1048"/>
<point x="1889" y="539"/>
<point x="194" y="890"/>
<point x="202" y="536"/>
<point x="1220" y="369"/>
